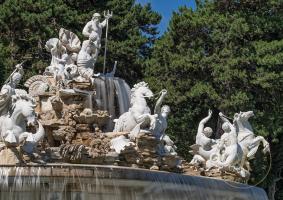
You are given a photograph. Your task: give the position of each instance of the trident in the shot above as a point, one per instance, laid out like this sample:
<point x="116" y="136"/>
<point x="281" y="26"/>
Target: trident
<point x="106" y="37"/>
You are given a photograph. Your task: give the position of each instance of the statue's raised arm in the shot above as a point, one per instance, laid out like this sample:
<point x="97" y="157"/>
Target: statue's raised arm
<point x="203" y="122"/>
<point x="157" y="108"/>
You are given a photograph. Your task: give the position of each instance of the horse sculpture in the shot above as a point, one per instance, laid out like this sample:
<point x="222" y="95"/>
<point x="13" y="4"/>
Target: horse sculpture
<point x="13" y="125"/>
<point x="139" y="115"/>
<point x="246" y="137"/>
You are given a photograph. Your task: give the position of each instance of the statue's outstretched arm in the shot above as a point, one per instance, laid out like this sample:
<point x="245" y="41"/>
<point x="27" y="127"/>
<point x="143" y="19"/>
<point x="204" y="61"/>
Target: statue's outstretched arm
<point x="157" y="108"/>
<point x="224" y="119"/>
<point x="203" y="121"/>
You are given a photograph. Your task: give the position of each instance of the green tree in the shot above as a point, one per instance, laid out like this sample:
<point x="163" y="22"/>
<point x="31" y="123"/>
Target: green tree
<point x="25" y="26"/>
<point x="227" y="56"/>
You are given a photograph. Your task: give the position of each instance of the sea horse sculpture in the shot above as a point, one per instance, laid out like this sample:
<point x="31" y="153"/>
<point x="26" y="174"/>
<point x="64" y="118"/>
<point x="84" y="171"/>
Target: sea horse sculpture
<point x="13" y="126"/>
<point x="228" y="154"/>
<point x="139" y="115"/>
<point x="235" y="148"/>
<point x="246" y="137"/>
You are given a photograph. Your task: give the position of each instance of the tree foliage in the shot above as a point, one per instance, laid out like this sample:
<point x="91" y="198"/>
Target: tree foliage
<point x="25" y="26"/>
<point x="227" y="56"/>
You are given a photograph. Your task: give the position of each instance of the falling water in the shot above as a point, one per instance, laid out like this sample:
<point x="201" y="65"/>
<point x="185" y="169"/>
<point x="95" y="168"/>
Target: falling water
<point x="111" y="93"/>
<point x="84" y="182"/>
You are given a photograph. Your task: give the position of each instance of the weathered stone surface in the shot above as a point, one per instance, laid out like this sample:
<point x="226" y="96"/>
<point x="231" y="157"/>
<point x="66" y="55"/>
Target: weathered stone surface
<point x="10" y="156"/>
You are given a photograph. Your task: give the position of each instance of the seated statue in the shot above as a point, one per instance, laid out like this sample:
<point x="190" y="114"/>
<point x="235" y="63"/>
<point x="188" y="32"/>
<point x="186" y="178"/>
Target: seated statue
<point x="204" y="146"/>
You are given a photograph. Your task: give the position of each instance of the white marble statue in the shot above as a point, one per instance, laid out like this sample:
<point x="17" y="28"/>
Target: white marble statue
<point x="138" y="117"/>
<point x="139" y="114"/>
<point x="233" y="150"/>
<point x="13" y="126"/>
<point x="17" y="112"/>
<point x="64" y="51"/>
<point x="229" y="155"/>
<point x="58" y="60"/>
<point x="94" y="27"/>
<point x="87" y="56"/>
<point x="9" y="89"/>
<point x="162" y="113"/>
<point x="90" y="48"/>
<point x="166" y="146"/>
<point x="246" y="137"/>
<point x="205" y="145"/>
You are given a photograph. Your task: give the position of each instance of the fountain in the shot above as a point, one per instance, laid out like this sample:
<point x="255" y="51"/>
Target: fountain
<point x="80" y="135"/>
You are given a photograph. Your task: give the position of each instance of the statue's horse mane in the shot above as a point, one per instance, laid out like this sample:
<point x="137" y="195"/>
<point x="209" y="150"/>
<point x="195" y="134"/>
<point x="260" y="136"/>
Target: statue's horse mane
<point x="21" y="98"/>
<point x="136" y="87"/>
<point x="24" y="97"/>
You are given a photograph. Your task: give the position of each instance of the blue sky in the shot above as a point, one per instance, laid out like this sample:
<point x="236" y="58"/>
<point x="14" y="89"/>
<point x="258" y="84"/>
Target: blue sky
<point x="166" y="8"/>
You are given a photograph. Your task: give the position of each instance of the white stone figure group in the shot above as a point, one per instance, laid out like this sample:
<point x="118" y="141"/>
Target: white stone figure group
<point x="17" y="112"/>
<point x="233" y="150"/>
<point x="71" y="60"/>
<point x="139" y="115"/>
<point x="139" y="119"/>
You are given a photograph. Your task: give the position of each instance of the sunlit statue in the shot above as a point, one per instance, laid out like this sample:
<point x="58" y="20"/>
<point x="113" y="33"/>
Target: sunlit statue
<point x="8" y="89"/>
<point x="139" y="114"/>
<point x="204" y="144"/>
<point x="87" y="56"/>
<point x="17" y="112"/>
<point x="162" y="113"/>
<point x="232" y="152"/>
<point x="94" y="27"/>
<point x="229" y="154"/>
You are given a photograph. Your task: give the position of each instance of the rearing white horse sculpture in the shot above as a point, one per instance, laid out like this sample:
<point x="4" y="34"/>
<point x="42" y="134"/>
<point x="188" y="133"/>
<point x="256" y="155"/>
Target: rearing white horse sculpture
<point x="246" y="137"/>
<point x="139" y="115"/>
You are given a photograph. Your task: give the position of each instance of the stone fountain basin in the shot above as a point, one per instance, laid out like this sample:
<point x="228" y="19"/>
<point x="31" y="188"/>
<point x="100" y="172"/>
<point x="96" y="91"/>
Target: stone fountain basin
<point x="82" y="182"/>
